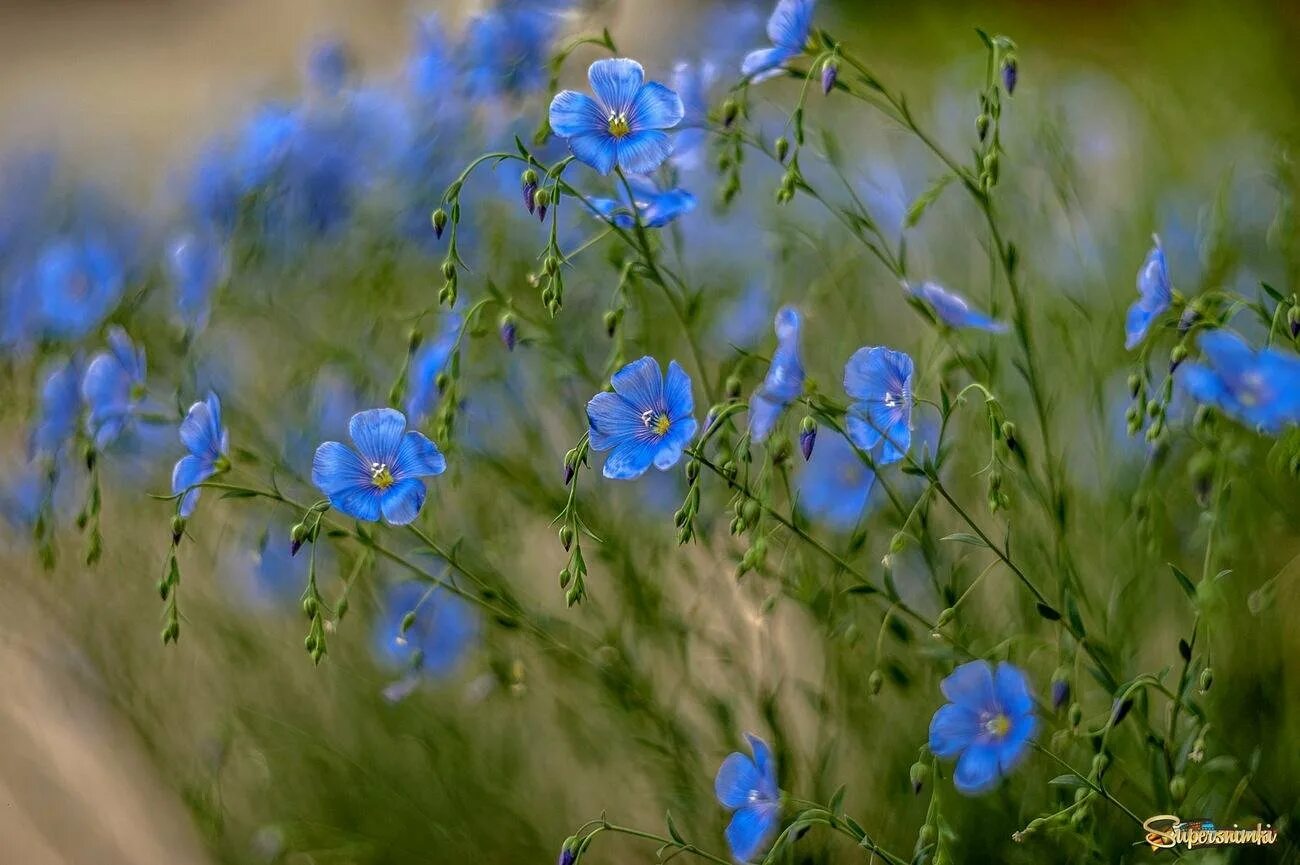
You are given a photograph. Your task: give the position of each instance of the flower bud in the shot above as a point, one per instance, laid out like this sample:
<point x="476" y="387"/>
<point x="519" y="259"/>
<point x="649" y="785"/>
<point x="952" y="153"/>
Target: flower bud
<point x="1177" y="356"/>
<point x="729" y="111"/>
<point x="830" y="71"/>
<point x="566" y="536"/>
<point x="542" y="199"/>
<point x="509" y="331"/>
<point x="945" y="616"/>
<point x="297" y="535"/>
<point x="807" y="437"/>
<point x="310" y="607"/>
<point x="1060" y="688"/>
<point x="1207" y="679"/>
<point x="919" y="773"/>
<point x="178" y="528"/>
<point x="569" y="853"/>
<point x="982" y="126"/>
<point x="529" y="187"/>
<point x="1178" y="788"/>
<point x="1293" y="321"/>
<point x="1075" y="714"/>
<point x="565" y="577"/>
<point x="733" y="387"/>
<point x="1134" y="384"/>
<point x="407" y="621"/>
<point x="782" y="146"/>
<point x="1010" y="74"/>
<point x="875" y="682"/>
<point x="439" y="222"/>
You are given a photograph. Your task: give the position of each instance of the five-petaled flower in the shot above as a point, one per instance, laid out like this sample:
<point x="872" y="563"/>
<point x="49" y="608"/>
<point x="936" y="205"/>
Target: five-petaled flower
<point x="208" y="443"/>
<point x="748" y="787"/>
<point x="1155" y="294"/>
<point x="645" y="420"/>
<point x="624" y="125"/>
<point x="989" y="723"/>
<point x="383" y="476"/>
<point x="784" y="381"/>
<point x="880" y="381"/>
<point x="656" y="208"/>
<point x="788" y="29"/>
<point x="113" y="388"/>
<point x="953" y="309"/>
<point x="1258" y="388"/>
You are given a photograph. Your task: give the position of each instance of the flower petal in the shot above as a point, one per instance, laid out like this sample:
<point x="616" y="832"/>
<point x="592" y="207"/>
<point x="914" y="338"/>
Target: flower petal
<point x="751" y="828"/>
<point x="360" y="502"/>
<point x="402" y="501"/>
<point x="377" y="433"/>
<point x="862" y="433"/>
<point x="337" y="467"/>
<point x="788" y="27"/>
<point x="764" y="63"/>
<point x="898" y="437"/>
<point x="643" y="151"/>
<point x="597" y="149"/>
<point x="573" y="114"/>
<point x="952" y="730"/>
<point x="1136" y="324"/>
<point x="678" y="400"/>
<point x="612" y="420"/>
<point x="630" y="459"/>
<point x="655" y="107"/>
<point x="199" y="431"/>
<point x="1013" y="747"/>
<point x="971" y="685"/>
<point x="737" y="780"/>
<point x="641" y="384"/>
<point x="763" y="414"/>
<point x="766" y="764"/>
<point x="417" y="457"/>
<point x="977" y="770"/>
<point x="190" y="470"/>
<point x="1012" y="690"/>
<point x="615" y="82"/>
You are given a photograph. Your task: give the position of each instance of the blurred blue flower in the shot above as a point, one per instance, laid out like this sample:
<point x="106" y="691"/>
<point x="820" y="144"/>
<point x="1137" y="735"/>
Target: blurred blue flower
<point x="77" y="282"/>
<point x="113" y="388"/>
<point x="207" y="442"/>
<point x="692" y="81"/>
<point x="60" y="405"/>
<point x="430" y="70"/>
<point x="836" y="484"/>
<point x="444" y="629"/>
<point x="989" y="723"/>
<point x="952" y="309"/>
<point x="430" y="359"/>
<point x="748" y="787"/>
<point x="1155" y="292"/>
<point x="384" y="475"/>
<point x="745" y="318"/>
<point x="656" y="208"/>
<point x="880" y="381"/>
<point x="645" y="420"/>
<point x="329" y="66"/>
<point x="1258" y="388"/>
<point x="22" y="493"/>
<point x="784" y="381"/>
<point x="623" y="126"/>
<point x="508" y="47"/>
<point x="197" y="264"/>
<point x="788" y="31"/>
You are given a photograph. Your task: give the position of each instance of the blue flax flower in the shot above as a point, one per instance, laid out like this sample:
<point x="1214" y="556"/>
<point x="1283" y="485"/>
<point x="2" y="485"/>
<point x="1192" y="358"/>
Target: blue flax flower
<point x="207" y="442"/>
<point x="624" y="125"/>
<point x="646" y="419"/>
<point x="988" y="724"/>
<point x="60" y="404"/>
<point x="507" y="47"/>
<point x="197" y="264"/>
<point x="748" y="787"/>
<point x="329" y="67"/>
<point x="656" y="208"/>
<point x="784" y="381"/>
<point x="835" y="485"/>
<point x="444" y="628"/>
<point x="788" y="30"/>
<point x="383" y="476"/>
<point x="113" y="388"/>
<point x="952" y="309"/>
<point x="692" y="83"/>
<point x="880" y="381"/>
<point x="1258" y="388"/>
<point x="1155" y="294"/>
<point x="77" y="284"/>
<point x="431" y="359"/>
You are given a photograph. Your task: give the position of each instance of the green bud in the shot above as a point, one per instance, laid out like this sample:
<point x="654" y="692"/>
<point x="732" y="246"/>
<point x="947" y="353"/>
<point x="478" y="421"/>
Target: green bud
<point x="898" y="543"/>
<point x="449" y="269"/>
<point x="309" y="607"/>
<point x="543" y="197"/>
<point x="782" y="148"/>
<point x="407" y="621"/>
<point x="875" y="682"/>
<point x="566" y="536"/>
<point x="1207" y="679"/>
<point x="919" y="773"/>
<point x="733" y="387"/>
<point x="1075" y="714"/>
<point x="1178" y="788"/>
<point x="729" y="111"/>
<point x="982" y="126"/>
<point x="945" y="616"/>
<point x="439" y="221"/>
<point x="565" y="576"/>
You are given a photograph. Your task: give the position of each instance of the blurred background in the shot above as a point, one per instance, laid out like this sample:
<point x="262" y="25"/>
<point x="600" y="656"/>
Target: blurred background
<point x="1130" y="118"/>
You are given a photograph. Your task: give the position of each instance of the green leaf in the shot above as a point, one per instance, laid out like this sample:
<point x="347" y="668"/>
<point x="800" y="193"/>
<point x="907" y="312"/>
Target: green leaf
<point x="672" y="829"/>
<point x="925" y="199"/>
<point x="1183" y="580"/>
<point x="1047" y="612"/>
<point x="1068" y="781"/>
<point x="836" y="806"/>
<point x="966" y="538"/>
<point x="862" y="589"/>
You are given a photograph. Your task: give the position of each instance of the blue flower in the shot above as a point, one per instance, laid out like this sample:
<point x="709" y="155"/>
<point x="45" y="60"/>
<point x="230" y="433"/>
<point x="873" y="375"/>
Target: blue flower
<point x="22" y="495"/>
<point x="952" y="309"/>
<point x="60" y="405"/>
<point x="429" y="69"/>
<point x="207" y="442"/>
<point x="788" y="30"/>
<point x="655" y="208"/>
<point x="989" y="723"/>
<point x="1156" y="293"/>
<point x="77" y="284"/>
<point x="692" y="83"/>
<point x="1258" y="388"/>
<point x="431" y="359"/>
<point x="646" y="419"/>
<point x="197" y="265"/>
<point x="113" y="388"/>
<point x="836" y="484"/>
<point x="748" y="787"/>
<point x="444" y="629"/>
<point x="624" y="124"/>
<point x="784" y="381"/>
<point x="329" y="66"/>
<point x="508" y="47"/>
<point x="383" y="476"/>
<point x="880" y="380"/>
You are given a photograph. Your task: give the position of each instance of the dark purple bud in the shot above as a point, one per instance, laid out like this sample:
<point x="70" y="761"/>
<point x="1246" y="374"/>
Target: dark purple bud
<point x="439" y="222"/>
<point x="568" y="473"/>
<point x="509" y="331"/>
<point x="1188" y="318"/>
<point x="297" y="535"/>
<point x="1010" y="74"/>
<point x="806" y="442"/>
<point x="567" y="857"/>
<point x="1293" y="320"/>
<point x="1120" y="711"/>
<point x="830" y="70"/>
<point x="530" y="197"/>
<point x="1060" y="693"/>
<point x="541" y="213"/>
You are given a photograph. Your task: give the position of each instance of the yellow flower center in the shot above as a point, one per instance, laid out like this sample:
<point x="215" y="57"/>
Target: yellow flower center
<point x="998" y="726"/>
<point x="656" y="422"/>
<point x="618" y="125"/>
<point x="380" y="476"/>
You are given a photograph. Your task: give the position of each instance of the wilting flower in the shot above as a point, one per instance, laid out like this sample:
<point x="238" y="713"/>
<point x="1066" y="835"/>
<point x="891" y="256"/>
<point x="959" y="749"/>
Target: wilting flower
<point x="1258" y="388"/>
<point x="784" y="381"/>
<point x="624" y="124"/>
<point x="646" y="419"/>
<point x="208" y="443"/>
<point x="788" y="30"/>
<point x="654" y="207"/>
<point x="836" y="484"/>
<point x="443" y="629"/>
<point x="952" y="309"/>
<point x="383" y="475"/>
<point x="77" y="283"/>
<point x="197" y="265"/>
<point x="429" y="361"/>
<point x="749" y="788"/>
<point x="60" y="404"/>
<point x="1155" y="292"/>
<point x="113" y="388"/>
<point x="880" y="380"/>
<point x="988" y="723"/>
